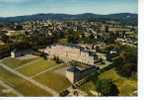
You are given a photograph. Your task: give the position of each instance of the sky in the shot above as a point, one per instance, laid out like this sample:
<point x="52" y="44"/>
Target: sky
<point x="28" y="7"/>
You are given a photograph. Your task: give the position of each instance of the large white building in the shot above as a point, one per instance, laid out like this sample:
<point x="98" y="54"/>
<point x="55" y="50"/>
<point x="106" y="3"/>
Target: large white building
<point x="68" y="53"/>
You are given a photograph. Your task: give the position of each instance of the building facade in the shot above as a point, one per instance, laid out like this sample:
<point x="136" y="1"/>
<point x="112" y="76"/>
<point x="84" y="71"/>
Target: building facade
<point x="68" y="53"/>
<point x="75" y="74"/>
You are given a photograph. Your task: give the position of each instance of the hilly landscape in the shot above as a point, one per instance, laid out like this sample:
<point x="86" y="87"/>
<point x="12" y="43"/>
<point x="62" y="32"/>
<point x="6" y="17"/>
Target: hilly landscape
<point x="125" y="18"/>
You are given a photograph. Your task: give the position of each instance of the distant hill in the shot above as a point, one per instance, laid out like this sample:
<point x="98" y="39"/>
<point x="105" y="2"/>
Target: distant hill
<point x="126" y="18"/>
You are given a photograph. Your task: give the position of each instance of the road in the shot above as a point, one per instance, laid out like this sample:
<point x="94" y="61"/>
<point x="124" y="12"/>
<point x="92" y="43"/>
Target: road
<point x="46" y="88"/>
<point x="10" y="88"/>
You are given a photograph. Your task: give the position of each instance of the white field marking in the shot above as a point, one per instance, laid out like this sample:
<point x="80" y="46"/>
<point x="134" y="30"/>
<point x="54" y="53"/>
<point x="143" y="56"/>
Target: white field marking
<point x="49" y="69"/>
<point x="46" y="88"/>
<point x="9" y="87"/>
<point x="25" y="65"/>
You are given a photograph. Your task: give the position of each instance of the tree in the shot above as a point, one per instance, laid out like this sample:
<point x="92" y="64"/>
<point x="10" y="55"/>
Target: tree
<point x="21" y="41"/>
<point x="127" y="70"/>
<point x="106" y="28"/>
<point x="18" y="27"/>
<point x="91" y="38"/>
<point x="73" y="63"/>
<point x="73" y="37"/>
<point x="126" y="63"/>
<point x="111" y="38"/>
<point x="106" y="87"/>
<point x="57" y="60"/>
<point x="4" y="37"/>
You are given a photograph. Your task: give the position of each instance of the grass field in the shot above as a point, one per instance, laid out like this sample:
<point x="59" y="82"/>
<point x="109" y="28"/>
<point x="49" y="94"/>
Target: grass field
<point x="10" y="94"/>
<point x="38" y="66"/>
<point x="53" y="80"/>
<point x="14" y="63"/>
<point x="25" y="87"/>
<point x="125" y="86"/>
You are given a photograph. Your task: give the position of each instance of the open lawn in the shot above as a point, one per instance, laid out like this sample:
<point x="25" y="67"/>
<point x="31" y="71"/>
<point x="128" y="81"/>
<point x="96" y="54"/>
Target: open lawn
<point x="2" y="94"/>
<point x="14" y="63"/>
<point x="126" y="86"/>
<point x="37" y="67"/>
<point x="53" y="80"/>
<point x="24" y="87"/>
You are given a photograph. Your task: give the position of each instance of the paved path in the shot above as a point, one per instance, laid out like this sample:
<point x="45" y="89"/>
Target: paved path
<point x="53" y="92"/>
<point x="11" y="89"/>
<point x="49" y="69"/>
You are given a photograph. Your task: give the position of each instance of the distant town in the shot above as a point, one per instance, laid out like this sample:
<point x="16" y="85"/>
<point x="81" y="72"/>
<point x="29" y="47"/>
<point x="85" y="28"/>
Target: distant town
<point x="68" y="57"/>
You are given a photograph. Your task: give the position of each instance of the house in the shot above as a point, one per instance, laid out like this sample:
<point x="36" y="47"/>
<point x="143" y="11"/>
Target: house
<point x="113" y="53"/>
<point x="20" y="52"/>
<point x="15" y="53"/>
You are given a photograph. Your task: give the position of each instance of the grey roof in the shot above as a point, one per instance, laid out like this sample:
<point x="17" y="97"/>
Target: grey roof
<point x="73" y="69"/>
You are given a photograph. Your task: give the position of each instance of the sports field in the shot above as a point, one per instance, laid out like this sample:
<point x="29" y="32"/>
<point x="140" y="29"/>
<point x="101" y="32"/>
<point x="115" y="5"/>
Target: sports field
<point x="36" y="77"/>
